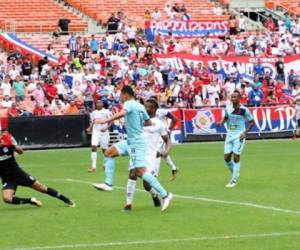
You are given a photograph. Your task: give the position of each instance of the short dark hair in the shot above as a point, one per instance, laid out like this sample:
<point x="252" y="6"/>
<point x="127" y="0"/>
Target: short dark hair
<point x="154" y="103"/>
<point x="237" y="92"/>
<point x="127" y="90"/>
<point x="154" y="97"/>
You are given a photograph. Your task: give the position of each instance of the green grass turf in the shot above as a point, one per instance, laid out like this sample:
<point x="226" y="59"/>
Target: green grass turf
<point x="270" y="177"/>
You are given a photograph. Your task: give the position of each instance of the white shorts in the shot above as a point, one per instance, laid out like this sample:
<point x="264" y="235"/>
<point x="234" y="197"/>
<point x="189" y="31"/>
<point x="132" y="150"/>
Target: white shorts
<point x="100" y="139"/>
<point x="153" y="163"/>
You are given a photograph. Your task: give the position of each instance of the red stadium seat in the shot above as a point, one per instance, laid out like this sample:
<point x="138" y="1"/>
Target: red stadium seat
<point x="36" y="16"/>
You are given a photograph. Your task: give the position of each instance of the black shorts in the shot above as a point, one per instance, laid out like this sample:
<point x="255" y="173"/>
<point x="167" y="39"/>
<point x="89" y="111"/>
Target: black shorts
<point x="14" y="177"/>
<point x="298" y="123"/>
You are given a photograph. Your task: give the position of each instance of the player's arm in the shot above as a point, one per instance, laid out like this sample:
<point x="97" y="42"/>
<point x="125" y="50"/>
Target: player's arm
<point x="112" y="118"/>
<point x="107" y="127"/>
<point x="224" y="120"/>
<point x="249" y="127"/>
<point x="251" y="123"/>
<point x="167" y="142"/>
<point x="173" y="120"/>
<point x="89" y="129"/>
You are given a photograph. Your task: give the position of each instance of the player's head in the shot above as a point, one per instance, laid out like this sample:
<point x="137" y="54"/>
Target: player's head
<point x="151" y="107"/>
<point x="5" y="138"/>
<point x="154" y="97"/>
<point x="127" y="93"/>
<point x="99" y="104"/>
<point x="235" y="97"/>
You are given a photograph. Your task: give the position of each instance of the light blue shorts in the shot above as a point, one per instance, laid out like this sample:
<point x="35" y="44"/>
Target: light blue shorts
<point x="233" y="144"/>
<point x="136" y="152"/>
<point x="122" y="147"/>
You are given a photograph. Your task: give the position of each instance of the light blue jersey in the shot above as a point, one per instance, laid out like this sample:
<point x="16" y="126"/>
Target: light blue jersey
<point x="134" y="121"/>
<point x="236" y="119"/>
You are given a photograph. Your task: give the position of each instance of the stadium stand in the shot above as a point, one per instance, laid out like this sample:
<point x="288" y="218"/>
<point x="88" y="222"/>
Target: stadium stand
<point x="35" y="16"/>
<point x="135" y="9"/>
<point x="291" y="6"/>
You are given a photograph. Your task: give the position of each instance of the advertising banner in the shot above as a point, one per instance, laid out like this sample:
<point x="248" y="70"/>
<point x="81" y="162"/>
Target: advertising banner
<point x="186" y="29"/>
<point x="245" y="64"/>
<point x="267" y="120"/>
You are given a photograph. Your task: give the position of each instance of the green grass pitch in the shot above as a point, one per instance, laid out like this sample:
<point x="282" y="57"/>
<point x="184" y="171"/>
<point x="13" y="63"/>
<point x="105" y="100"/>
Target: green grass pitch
<point x="262" y="212"/>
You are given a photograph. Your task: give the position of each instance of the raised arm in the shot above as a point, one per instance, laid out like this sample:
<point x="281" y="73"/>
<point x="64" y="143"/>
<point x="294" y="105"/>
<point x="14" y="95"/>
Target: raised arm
<point x="114" y="117"/>
<point x="173" y="121"/>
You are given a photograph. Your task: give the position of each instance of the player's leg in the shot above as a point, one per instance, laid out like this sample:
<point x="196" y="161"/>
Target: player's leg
<point x="130" y="190"/>
<point x="93" y="168"/>
<point x="238" y="146"/>
<point x="154" y="183"/>
<point x="8" y="196"/>
<point x="172" y="166"/>
<point x="154" y="194"/>
<point x="169" y="162"/>
<point x="94" y="145"/>
<point x="153" y="166"/>
<point x="52" y="192"/>
<point x="236" y="168"/>
<point x="120" y="148"/>
<point x="228" y="148"/>
<point x="228" y="161"/>
<point x="137" y="156"/>
<point x="104" y="144"/>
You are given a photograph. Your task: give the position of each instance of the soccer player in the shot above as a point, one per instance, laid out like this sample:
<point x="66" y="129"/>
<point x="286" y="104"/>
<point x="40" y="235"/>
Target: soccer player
<point x="13" y="176"/>
<point x="235" y="117"/>
<point x="153" y="136"/>
<point x="136" y="118"/>
<point x="100" y="133"/>
<point x="164" y="115"/>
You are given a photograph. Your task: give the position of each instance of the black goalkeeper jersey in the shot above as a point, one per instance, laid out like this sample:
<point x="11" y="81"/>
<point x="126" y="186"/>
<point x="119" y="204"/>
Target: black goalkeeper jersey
<point x="7" y="159"/>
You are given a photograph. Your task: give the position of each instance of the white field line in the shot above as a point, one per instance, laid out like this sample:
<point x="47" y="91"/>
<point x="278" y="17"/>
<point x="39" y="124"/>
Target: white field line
<point x="152" y="242"/>
<point x="194" y="198"/>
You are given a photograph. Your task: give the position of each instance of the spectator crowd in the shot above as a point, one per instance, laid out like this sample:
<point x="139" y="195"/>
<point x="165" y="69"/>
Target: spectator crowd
<point x="97" y="67"/>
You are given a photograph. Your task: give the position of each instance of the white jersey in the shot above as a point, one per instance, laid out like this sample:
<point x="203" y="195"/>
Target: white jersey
<point x="161" y="114"/>
<point x="99" y="114"/>
<point x="153" y="134"/>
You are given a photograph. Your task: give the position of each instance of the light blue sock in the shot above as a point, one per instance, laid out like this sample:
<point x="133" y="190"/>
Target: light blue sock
<point x="155" y="184"/>
<point x="236" y="171"/>
<point x="230" y="165"/>
<point x="109" y="164"/>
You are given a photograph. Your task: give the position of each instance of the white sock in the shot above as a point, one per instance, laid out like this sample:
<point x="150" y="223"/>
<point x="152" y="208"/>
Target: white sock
<point x="153" y="192"/>
<point x="130" y="191"/>
<point x="170" y="163"/>
<point x="94" y="159"/>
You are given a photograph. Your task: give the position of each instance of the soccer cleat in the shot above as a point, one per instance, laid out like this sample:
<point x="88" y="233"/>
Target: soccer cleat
<point x="103" y="187"/>
<point x="231" y="184"/>
<point x="156" y="201"/>
<point x="92" y="170"/>
<point x="127" y="208"/>
<point x="166" y="202"/>
<point x="71" y="204"/>
<point x="174" y="173"/>
<point x="36" y="202"/>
